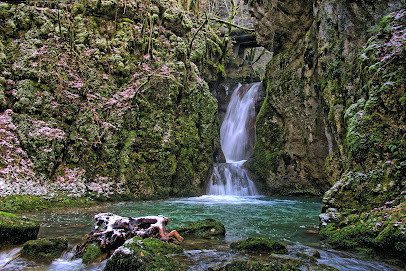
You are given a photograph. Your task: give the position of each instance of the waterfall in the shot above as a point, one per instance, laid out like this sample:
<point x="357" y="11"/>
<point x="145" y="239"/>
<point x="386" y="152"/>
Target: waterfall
<point x="237" y="137"/>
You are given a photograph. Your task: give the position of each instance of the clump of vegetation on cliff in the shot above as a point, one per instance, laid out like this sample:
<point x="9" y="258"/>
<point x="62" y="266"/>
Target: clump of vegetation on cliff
<point x="102" y="98"/>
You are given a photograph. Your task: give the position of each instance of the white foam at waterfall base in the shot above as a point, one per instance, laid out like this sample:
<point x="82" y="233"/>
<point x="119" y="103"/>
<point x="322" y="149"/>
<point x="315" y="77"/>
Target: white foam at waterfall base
<point x="237" y="136"/>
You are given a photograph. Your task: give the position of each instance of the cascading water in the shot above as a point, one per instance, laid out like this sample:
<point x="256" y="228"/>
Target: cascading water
<point x="237" y="137"/>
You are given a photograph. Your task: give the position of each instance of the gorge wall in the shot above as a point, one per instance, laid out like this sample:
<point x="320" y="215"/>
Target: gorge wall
<point x="105" y="98"/>
<point x="334" y="115"/>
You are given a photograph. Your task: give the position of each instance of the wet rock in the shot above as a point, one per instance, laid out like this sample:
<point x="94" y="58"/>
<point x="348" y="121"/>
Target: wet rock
<point x="94" y="253"/>
<point x="259" y="244"/>
<point x="138" y="254"/>
<point x="16" y="230"/>
<point x="205" y="228"/>
<point x="241" y="265"/>
<point x="44" y="249"/>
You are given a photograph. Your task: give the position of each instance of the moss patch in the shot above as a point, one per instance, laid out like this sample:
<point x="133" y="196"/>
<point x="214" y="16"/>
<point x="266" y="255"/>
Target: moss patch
<point x="16" y="230"/>
<point x="205" y="228"/>
<point x="44" y="249"/>
<point x="93" y="254"/>
<point x="137" y="255"/>
<point x="259" y="244"/>
<point x="29" y="203"/>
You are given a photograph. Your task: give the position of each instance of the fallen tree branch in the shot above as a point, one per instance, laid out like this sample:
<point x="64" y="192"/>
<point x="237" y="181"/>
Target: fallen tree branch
<point x="15" y="257"/>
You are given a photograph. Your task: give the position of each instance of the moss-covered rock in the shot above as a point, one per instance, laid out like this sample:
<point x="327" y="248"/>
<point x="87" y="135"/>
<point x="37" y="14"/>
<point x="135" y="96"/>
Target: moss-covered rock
<point x="204" y="228"/>
<point x="158" y="246"/>
<point x="44" y="249"/>
<point x="275" y="263"/>
<point x="365" y="209"/>
<point x="137" y="255"/>
<point x="104" y="99"/>
<point x="93" y="253"/>
<point x="15" y="230"/>
<point x="256" y="265"/>
<point x="259" y="244"/>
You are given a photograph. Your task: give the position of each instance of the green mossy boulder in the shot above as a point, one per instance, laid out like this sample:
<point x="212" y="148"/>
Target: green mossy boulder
<point x="136" y="254"/>
<point x="204" y="228"/>
<point x="94" y="253"/>
<point x="44" y="249"/>
<point x="259" y="244"/>
<point x="16" y="230"/>
<point x="158" y="246"/>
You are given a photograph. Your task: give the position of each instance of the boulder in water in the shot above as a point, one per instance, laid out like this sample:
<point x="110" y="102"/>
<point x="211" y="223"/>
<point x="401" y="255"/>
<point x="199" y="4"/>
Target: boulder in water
<point x="204" y="228"/>
<point x="259" y="244"/>
<point x="139" y="254"/>
<point x="15" y="230"/>
<point x="44" y="249"/>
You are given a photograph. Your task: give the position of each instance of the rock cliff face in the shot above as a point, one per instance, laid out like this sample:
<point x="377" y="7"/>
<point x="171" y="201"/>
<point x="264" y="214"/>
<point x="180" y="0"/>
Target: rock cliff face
<point x="334" y="114"/>
<point x="99" y="98"/>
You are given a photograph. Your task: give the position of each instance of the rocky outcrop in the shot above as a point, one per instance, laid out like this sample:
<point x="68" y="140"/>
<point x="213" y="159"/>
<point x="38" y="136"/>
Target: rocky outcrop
<point x="280" y="24"/>
<point x="334" y="116"/>
<point x="296" y="127"/>
<point x="104" y="99"/>
<point x="15" y="230"/>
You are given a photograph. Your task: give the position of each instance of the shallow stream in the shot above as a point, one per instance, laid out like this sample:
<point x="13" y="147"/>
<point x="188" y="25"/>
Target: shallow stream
<point x="292" y="220"/>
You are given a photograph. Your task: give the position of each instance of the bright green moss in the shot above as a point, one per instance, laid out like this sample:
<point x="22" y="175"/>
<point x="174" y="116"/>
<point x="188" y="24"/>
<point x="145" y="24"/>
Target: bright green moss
<point x="92" y="254"/>
<point x="138" y="255"/>
<point x="205" y="228"/>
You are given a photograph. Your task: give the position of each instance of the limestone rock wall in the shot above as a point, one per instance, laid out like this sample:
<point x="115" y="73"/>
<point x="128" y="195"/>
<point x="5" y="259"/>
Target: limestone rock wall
<point x="105" y="98"/>
<point x="316" y="44"/>
<point x="334" y="116"/>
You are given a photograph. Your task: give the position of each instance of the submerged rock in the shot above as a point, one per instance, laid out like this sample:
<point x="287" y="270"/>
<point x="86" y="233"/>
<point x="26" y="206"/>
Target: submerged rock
<point x="16" y="230"/>
<point x="273" y="264"/>
<point x="259" y="244"/>
<point x="138" y="254"/>
<point x="44" y="249"/>
<point x="204" y="228"/>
